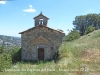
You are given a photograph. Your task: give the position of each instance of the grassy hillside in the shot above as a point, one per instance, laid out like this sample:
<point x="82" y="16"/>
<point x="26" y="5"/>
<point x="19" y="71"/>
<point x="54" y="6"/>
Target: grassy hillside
<point x="9" y="41"/>
<point x="84" y="53"/>
<point x="79" y="57"/>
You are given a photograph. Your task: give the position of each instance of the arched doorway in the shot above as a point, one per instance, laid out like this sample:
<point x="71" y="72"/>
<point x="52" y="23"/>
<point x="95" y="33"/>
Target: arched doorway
<point x="41" y="54"/>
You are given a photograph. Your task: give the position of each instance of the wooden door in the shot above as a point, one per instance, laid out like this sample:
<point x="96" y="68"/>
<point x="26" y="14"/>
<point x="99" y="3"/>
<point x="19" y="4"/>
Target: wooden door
<point x="41" y="54"/>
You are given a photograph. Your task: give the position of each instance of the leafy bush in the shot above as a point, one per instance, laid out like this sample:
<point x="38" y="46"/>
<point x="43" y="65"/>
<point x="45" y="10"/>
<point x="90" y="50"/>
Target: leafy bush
<point x="1" y="49"/>
<point x="56" y="56"/>
<point x="5" y="59"/>
<point x="72" y="35"/>
<point x="89" y="29"/>
<point x="15" y="53"/>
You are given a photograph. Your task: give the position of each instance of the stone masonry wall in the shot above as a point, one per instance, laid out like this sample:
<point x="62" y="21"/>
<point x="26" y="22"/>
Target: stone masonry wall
<point x="30" y="51"/>
<point x="45" y="20"/>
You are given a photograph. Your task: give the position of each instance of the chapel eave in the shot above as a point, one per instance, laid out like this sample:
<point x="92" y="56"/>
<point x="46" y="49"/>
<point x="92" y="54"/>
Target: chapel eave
<point x="40" y="26"/>
<point x="40" y="15"/>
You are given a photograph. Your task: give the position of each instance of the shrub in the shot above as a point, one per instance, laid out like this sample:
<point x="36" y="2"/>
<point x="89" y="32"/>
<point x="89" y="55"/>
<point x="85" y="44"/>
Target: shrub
<point x="89" y="29"/>
<point x="56" y="56"/>
<point x="5" y="59"/>
<point x="72" y="35"/>
<point x="1" y="49"/>
<point x="15" y="53"/>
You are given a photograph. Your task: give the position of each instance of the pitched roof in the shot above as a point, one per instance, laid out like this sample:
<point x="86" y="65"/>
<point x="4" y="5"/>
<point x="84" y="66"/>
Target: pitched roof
<point x="41" y="15"/>
<point x="40" y="26"/>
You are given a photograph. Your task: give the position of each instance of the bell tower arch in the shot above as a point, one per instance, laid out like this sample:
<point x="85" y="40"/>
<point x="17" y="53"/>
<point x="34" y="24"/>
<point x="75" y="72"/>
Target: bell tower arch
<point x="41" y="20"/>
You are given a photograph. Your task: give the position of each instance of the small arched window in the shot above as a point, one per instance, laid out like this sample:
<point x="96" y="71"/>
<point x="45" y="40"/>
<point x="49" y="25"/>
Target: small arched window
<point x="41" y="22"/>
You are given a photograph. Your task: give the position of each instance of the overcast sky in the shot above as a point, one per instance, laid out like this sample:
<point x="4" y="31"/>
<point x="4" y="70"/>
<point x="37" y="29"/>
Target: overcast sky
<point x="17" y="15"/>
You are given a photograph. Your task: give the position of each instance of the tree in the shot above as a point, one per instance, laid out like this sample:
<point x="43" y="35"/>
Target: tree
<point x="82" y="22"/>
<point x="89" y="29"/>
<point x="72" y="35"/>
<point x="79" y="24"/>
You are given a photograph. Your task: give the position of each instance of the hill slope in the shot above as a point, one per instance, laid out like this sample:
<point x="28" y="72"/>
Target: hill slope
<point x="9" y="41"/>
<point x="83" y="54"/>
<point x="78" y="57"/>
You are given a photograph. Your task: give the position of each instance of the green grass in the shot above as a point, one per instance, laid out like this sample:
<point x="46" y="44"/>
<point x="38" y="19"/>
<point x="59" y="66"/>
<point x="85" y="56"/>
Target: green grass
<point x="78" y="57"/>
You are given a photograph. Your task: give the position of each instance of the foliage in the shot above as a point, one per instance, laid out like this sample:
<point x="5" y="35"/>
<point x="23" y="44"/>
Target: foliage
<point x="8" y="57"/>
<point x="89" y="29"/>
<point x="5" y="59"/>
<point x="1" y="49"/>
<point x="70" y="63"/>
<point x="82" y="22"/>
<point x="15" y="53"/>
<point x="72" y="35"/>
<point x="56" y="56"/>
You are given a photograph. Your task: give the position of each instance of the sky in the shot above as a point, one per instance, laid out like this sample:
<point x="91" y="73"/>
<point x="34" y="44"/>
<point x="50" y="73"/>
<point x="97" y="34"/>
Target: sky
<point x="17" y="15"/>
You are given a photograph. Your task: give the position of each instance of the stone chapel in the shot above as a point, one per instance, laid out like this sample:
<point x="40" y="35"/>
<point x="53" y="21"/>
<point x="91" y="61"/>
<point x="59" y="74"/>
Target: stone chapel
<point x="41" y="41"/>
